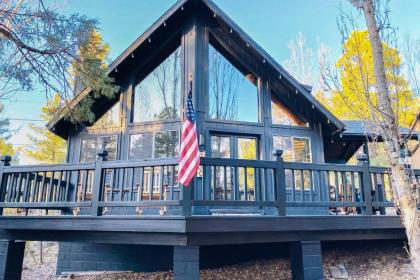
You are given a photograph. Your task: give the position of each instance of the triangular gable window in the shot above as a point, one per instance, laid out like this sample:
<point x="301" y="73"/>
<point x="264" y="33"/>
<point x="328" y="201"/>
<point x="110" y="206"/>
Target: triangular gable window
<point x="157" y="96"/>
<point x="233" y="95"/>
<point x="280" y="115"/>
<point x="110" y="119"/>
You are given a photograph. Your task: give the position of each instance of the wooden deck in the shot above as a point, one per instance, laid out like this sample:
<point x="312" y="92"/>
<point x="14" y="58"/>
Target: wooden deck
<point x="230" y="201"/>
<point x="201" y="230"/>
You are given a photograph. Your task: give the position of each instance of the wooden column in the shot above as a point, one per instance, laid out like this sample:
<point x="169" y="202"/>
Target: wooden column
<point x="306" y="260"/>
<point x="186" y="264"/>
<point x="280" y="183"/>
<point x="97" y="183"/>
<point x="4" y="161"/>
<point x="366" y="183"/>
<point x="11" y="259"/>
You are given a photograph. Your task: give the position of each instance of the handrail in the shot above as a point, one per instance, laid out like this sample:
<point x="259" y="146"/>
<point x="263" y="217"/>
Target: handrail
<point x="221" y="182"/>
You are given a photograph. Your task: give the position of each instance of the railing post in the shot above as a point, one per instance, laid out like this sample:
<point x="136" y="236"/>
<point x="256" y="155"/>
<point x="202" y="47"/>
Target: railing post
<point x="97" y="181"/>
<point x="367" y="183"/>
<point x="280" y="183"/>
<point x="4" y="161"/>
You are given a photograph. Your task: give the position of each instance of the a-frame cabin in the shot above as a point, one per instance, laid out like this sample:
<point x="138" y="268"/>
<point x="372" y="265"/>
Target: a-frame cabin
<point x="269" y="173"/>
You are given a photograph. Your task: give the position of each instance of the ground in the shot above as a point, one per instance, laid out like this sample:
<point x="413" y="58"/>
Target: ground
<point x="378" y="260"/>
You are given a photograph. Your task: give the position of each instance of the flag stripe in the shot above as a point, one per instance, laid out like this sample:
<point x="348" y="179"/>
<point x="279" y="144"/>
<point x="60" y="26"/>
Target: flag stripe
<point x="189" y="156"/>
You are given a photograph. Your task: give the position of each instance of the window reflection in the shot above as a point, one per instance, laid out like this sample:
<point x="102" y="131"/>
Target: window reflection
<point x="294" y="148"/>
<point x="232" y="95"/>
<point x="220" y="146"/>
<point x="161" y="144"/>
<point x="110" y="118"/>
<point x="157" y="97"/>
<point x="247" y="149"/>
<point x="281" y="115"/>
<point x="166" y="144"/>
<point x="90" y="147"/>
<point x="141" y="146"/>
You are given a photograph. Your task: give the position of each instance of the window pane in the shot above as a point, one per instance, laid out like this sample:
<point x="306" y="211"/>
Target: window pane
<point x="88" y="150"/>
<point x="109" y="143"/>
<point x="247" y="148"/>
<point x="232" y="95"/>
<point x="141" y="146"/>
<point x="301" y="149"/>
<point x="157" y="97"/>
<point x="283" y="143"/>
<point x="281" y="115"/>
<point x="220" y="147"/>
<point x="110" y="118"/>
<point x="166" y="144"/>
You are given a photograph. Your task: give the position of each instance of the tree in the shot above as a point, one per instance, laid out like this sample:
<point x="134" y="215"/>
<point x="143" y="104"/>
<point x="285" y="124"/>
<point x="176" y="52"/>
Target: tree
<point x="301" y="61"/>
<point x="385" y="117"/>
<point x="46" y="146"/>
<point x="39" y="47"/>
<point x="5" y="148"/>
<point x="356" y="95"/>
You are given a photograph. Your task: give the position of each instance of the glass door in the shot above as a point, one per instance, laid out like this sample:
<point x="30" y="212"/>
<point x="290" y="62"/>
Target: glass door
<point x="229" y="183"/>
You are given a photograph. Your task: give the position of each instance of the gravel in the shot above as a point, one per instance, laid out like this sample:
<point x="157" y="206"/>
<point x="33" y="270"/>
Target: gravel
<point x="378" y="261"/>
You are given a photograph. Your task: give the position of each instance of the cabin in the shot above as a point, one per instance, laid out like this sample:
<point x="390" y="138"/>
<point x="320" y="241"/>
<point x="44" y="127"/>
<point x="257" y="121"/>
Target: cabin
<point x="272" y="169"/>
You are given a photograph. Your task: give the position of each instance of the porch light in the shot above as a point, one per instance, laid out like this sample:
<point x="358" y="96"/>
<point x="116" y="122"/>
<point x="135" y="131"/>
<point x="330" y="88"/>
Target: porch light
<point x="280" y="77"/>
<point x="164" y="24"/>
<point x="132" y="55"/>
<point x="150" y="40"/>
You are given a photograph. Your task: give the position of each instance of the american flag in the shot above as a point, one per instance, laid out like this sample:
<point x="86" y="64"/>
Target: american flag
<point x="189" y="156"/>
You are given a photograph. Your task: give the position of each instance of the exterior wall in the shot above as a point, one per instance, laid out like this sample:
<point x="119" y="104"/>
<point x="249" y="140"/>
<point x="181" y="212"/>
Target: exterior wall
<point x="77" y="257"/>
<point x="194" y="44"/>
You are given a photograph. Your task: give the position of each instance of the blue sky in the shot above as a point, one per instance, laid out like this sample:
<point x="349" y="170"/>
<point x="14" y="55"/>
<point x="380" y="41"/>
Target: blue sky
<point x="272" y="23"/>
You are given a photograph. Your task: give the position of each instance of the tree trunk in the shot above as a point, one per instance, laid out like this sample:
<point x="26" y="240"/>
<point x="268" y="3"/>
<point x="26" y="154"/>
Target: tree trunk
<point x="403" y="193"/>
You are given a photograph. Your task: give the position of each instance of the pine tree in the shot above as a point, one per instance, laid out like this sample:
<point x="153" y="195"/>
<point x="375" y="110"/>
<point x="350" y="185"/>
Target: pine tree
<point x="46" y="146"/>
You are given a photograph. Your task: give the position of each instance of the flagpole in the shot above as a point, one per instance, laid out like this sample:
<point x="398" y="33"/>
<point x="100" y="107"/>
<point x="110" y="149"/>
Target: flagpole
<point x="186" y="190"/>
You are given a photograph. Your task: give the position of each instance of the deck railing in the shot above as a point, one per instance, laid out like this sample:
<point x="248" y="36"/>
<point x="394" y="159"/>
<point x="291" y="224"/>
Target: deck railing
<point x="221" y="187"/>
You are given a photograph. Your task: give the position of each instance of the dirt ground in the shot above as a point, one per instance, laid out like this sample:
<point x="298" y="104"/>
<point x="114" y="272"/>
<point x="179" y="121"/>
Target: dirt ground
<point x="380" y="261"/>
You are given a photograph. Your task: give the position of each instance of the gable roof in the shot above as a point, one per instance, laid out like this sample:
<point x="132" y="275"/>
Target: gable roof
<point x="59" y="125"/>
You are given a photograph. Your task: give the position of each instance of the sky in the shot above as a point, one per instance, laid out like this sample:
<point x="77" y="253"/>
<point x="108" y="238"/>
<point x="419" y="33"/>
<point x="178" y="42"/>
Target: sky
<point x="271" y="23"/>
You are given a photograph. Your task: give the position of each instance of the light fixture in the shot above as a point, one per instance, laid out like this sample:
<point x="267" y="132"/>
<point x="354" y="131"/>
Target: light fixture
<point x="164" y="23"/>
<point x="132" y="55"/>
<point x="214" y="15"/>
<point x="313" y="106"/>
<point x="280" y="77"/>
<point x="182" y="8"/>
<point x="231" y="31"/>
<point x="150" y="40"/>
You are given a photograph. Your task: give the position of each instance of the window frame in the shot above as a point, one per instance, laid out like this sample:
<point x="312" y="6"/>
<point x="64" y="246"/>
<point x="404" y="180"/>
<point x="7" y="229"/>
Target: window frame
<point x="153" y="142"/>
<point x="234" y="143"/>
<point x="96" y="137"/>
<point x="271" y="93"/>
<point x="235" y="62"/>
<point x="292" y="137"/>
<point x="140" y="76"/>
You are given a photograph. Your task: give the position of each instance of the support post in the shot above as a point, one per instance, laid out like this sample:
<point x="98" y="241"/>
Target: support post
<point x="367" y="183"/>
<point x="97" y="181"/>
<point x="306" y="260"/>
<point x="186" y="264"/>
<point x="186" y="199"/>
<point x="4" y="161"/>
<point x="11" y="259"/>
<point x="280" y="183"/>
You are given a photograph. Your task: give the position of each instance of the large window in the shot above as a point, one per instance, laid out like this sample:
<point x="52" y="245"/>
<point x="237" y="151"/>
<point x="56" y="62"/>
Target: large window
<point x="281" y="115"/>
<point x="110" y="119"/>
<point x="90" y="146"/>
<point x="157" y="97"/>
<point x="233" y="95"/>
<point x="294" y="148"/>
<point x="161" y="144"/>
